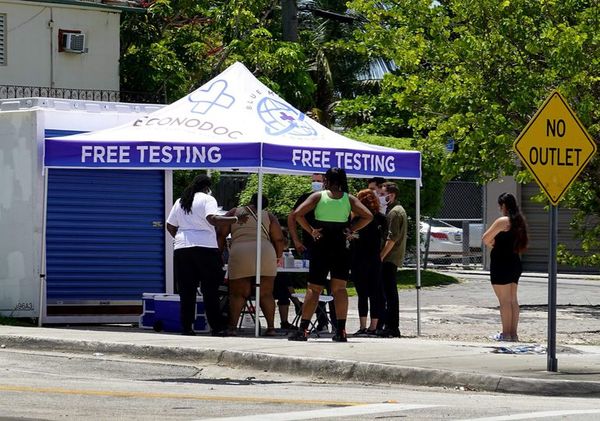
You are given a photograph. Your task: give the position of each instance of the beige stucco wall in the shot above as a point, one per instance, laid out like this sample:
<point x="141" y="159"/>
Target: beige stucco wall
<point x="32" y="56"/>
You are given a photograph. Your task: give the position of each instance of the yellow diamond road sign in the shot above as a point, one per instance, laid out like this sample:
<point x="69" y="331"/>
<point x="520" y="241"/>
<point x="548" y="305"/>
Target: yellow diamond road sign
<point x="555" y="146"/>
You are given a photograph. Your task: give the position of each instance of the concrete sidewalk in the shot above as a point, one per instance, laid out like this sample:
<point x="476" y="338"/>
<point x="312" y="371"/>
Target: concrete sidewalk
<point x="413" y="361"/>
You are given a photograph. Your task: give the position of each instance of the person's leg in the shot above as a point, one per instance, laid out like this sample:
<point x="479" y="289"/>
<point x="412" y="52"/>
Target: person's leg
<point x="282" y="295"/>
<point x="284" y="311"/>
<point x="514" y="301"/>
<point x="187" y="284"/>
<point x="340" y="296"/>
<point x="503" y="292"/>
<point x="239" y="291"/>
<point x="311" y="299"/>
<point x="362" y="290"/>
<point x="390" y="290"/>
<point x="267" y="302"/>
<point x="375" y="294"/>
<point x="209" y="265"/>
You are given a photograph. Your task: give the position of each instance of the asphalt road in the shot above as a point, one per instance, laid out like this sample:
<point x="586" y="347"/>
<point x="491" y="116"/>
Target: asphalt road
<point x="53" y="386"/>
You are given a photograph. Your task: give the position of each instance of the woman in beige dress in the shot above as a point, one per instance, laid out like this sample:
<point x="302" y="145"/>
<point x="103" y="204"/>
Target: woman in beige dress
<point x="242" y="261"/>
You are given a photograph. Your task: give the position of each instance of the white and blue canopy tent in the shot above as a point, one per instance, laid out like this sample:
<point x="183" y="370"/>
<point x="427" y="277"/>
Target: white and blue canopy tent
<point x="234" y="123"/>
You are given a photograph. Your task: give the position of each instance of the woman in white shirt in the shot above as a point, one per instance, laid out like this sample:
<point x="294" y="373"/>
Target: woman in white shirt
<point x="197" y="258"/>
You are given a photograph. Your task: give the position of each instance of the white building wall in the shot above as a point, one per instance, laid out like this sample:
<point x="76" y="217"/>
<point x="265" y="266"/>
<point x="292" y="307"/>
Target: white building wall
<point x="32" y="46"/>
<point x="20" y="214"/>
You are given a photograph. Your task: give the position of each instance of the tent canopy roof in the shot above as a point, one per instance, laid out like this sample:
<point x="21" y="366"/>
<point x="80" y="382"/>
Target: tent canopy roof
<point x="233" y="122"/>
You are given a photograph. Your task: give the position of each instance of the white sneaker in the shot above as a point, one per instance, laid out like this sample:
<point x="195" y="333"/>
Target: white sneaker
<point x="500" y="337"/>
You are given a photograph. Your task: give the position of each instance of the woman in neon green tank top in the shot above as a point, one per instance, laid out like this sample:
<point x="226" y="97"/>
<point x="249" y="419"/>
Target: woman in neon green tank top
<point x="330" y="255"/>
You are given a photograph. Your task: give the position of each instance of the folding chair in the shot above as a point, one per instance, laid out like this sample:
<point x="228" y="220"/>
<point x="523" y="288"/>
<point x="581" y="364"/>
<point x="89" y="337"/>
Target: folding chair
<point x="312" y="327"/>
<point x="248" y="312"/>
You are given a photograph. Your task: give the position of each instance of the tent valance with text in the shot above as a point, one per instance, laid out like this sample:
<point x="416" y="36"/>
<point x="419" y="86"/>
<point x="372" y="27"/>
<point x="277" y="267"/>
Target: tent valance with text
<point x="233" y="122"/>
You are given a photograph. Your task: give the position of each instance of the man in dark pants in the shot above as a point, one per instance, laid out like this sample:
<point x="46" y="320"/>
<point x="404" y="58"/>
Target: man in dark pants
<point x="303" y="248"/>
<point x="392" y="256"/>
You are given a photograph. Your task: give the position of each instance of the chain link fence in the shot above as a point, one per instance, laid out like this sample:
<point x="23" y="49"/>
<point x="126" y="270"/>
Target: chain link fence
<point x="452" y="237"/>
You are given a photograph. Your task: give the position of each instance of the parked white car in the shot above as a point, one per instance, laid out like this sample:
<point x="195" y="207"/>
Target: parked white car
<point x="446" y="240"/>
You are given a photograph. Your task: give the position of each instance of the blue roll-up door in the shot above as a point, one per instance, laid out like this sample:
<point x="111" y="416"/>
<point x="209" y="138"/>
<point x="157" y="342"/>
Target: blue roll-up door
<point x="104" y="235"/>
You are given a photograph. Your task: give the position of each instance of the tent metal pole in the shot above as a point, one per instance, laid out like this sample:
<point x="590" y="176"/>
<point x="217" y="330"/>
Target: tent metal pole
<point x="418" y="251"/>
<point x="42" y="301"/>
<point x="258" y="252"/>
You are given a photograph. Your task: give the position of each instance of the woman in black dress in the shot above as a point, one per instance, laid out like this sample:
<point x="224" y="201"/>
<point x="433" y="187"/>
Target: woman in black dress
<point x="508" y="238"/>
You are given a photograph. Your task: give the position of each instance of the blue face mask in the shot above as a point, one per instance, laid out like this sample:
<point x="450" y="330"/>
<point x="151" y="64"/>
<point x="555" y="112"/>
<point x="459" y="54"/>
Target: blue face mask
<point x="316" y="186"/>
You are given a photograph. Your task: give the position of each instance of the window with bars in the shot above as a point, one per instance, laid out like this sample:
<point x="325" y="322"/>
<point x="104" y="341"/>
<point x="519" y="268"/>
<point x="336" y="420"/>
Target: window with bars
<point x="2" y="39"/>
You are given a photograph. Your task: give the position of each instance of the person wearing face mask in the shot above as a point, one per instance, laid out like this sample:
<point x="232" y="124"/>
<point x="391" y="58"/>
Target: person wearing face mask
<point x="197" y="259"/>
<point x="331" y="257"/>
<point x="392" y="257"/>
<point x="303" y="246"/>
<point x="375" y="184"/>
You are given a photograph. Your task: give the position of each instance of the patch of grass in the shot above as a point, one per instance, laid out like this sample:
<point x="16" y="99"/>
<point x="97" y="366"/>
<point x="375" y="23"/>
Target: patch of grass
<point x="13" y="321"/>
<point x="407" y="279"/>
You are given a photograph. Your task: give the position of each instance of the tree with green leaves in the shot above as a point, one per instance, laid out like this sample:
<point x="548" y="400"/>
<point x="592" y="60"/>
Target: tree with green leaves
<point x="178" y="45"/>
<point x="476" y="72"/>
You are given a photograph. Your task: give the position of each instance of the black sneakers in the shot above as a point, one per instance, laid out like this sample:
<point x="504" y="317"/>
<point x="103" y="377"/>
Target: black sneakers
<point x="299" y="335"/>
<point x="388" y="333"/>
<point x="288" y="326"/>
<point x="360" y="332"/>
<point x="340" y="336"/>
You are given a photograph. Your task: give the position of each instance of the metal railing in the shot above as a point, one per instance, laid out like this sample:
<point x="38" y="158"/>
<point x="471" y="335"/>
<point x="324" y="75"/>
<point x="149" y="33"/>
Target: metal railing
<point x="20" y="91"/>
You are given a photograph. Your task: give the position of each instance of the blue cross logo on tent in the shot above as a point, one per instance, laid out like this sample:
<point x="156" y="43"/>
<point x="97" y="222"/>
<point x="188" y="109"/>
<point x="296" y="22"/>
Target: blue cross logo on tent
<point x="214" y="95"/>
<point x="281" y="118"/>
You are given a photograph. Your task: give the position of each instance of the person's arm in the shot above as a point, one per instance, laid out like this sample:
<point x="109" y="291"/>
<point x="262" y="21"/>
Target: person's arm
<point x="499" y="225"/>
<point x="222" y="220"/>
<point x="224" y="230"/>
<point x="211" y="208"/>
<point x="276" y="235"/>
<point x="293" y="232"/>
<point x="359" y="210"/>
<point x="172" y="224"/>
<point x="298" y="216"/>
<point x="395" y="222"/>
<point x="172" y="229"/>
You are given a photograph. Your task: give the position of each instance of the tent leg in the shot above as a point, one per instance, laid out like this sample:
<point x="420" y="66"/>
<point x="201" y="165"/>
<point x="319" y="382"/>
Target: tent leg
<point x="42" y="301"/>
<point x="418" y="252"/>
<point x="258" y="252"/>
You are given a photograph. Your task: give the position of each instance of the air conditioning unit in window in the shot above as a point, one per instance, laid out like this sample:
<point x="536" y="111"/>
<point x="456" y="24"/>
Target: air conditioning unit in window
<point x="74" y="42"/>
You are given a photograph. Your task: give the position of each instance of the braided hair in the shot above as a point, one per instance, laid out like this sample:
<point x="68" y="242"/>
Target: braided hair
<point x="198" y="184"/>
<point x="517" y="222"/>
<point x="337" y="177"/>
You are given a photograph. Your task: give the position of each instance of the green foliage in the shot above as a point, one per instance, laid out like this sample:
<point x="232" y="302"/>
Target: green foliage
<point x="476" y="72"/>
<point x="178" y="45"/>
<point x="406" y="279"/>
<point x="17" y="321"/>
<point x="181" y="178"/>
<point x="281" y="190"/>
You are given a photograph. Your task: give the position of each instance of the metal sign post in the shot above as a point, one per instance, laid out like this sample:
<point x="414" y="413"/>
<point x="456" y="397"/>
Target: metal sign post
<point x="555" y="147"/>
<point x="551" y="352"/>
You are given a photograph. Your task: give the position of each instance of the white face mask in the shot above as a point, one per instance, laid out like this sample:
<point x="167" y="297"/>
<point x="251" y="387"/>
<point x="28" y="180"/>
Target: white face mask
<point x="383" y="202"/>
<point x="316" y="186"/>
<point x="209" y="192"/>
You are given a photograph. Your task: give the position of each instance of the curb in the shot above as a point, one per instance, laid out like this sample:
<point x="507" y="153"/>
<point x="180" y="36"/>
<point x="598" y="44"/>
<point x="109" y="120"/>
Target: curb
<point x="340" y="370"/>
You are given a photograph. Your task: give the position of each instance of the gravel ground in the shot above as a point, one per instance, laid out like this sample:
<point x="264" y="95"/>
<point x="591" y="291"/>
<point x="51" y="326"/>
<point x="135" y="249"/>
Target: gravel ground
<point x="468" y="311"/>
